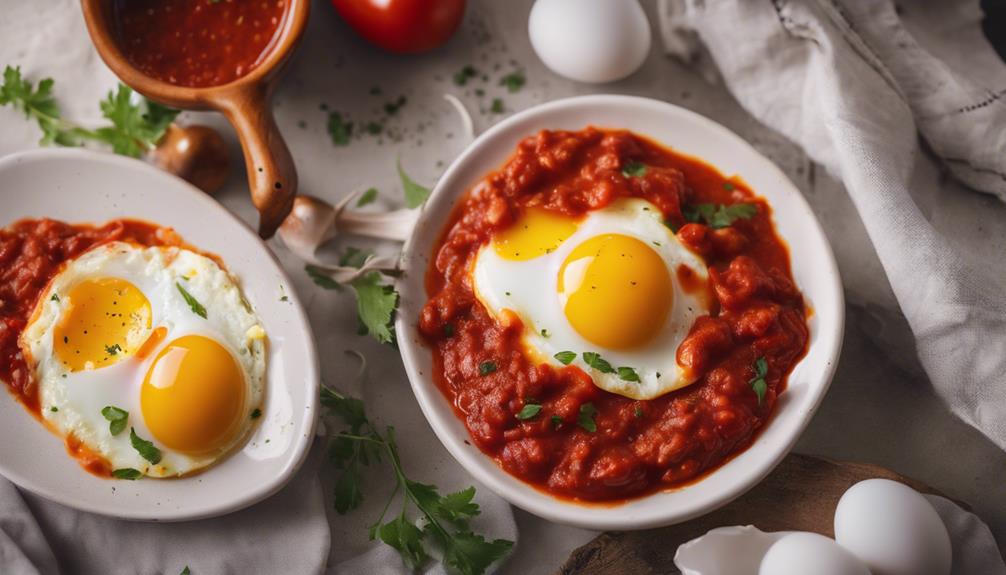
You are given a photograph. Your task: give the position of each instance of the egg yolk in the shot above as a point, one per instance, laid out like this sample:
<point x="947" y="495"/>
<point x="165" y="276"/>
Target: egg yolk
<point x="536" y="233"/>
<point x="104" y="320"/>
<point x="616" y="290"/>
<point x="193" y="395"/>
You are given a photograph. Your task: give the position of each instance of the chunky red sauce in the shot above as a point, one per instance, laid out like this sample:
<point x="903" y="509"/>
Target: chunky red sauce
<point x="32" y="252"/>
<point x="198" y="43"/>
<point x="639" y="446"/>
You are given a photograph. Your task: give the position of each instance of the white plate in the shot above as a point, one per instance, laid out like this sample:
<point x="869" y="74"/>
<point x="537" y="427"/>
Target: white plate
<point x="813" y="268"/>
<point x="79" y="186"/>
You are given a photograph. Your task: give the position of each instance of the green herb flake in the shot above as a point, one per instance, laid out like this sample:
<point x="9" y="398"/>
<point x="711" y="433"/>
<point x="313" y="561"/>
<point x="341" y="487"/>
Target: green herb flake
<point x="556" y="422"/>
<point x="758" y="383"/>
<point x="376" y="303"/>
<point x="728" y="186"/>
<point x="113" y="349"/>
<point x="196" y="307"/>
<point x="319" y="278"/>
<point x="117" y="418"/>
<point x="54" y="298"/>
<point x="339" y="130"/>
<point x="585" y="419"/>
<point x="487" y="367"/>
<point x="565" y="357"/>
<point x="186" y="570"/>
<point x="497" y="106"/>
<point x="628" y="374"/>
<point x="718" y="216"/>
<point x="392" y="108"/>
<point x="448" y="330"/>
<point x="634" y="169"/>
<point x="595" y="361"/>
<point x="544" y="333"/>
<point x="367" y="197"/>
<point x="462" y="76"/>
<point x="127" y="473"/>
<point x="638" y="412"/>
<point x="415" y="194"/>
<point x="145" y="448"/>
<point x="513" y="81"/>
<point x="529" y="411"/>
<point x="54" y="409"/>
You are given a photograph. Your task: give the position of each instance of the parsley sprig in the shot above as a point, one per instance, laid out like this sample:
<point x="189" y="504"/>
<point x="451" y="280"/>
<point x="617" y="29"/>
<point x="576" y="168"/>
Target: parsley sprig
<point x="444" y="518"/>
<point x="135" y="127"/>
<point x="595" y="361"/>
<point x="376" y="301"/>
<point x="757" y="383"/>
<point x="718" y="216"/>
<point x="117" y="418"/>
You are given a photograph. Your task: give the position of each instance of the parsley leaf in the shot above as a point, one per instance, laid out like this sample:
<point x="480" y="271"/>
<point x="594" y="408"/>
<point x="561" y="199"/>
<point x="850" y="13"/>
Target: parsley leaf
<point x="133" y="130"/>
<point x="513" y="81"/>
<point x="718" y="216"/>
<point x="338" y="129"/>
<point x="54" y="298"/>
<point x="196" y="307"/>
<point x="628" y="374"/>
<point x="116" y="417"/>
<point x="38" y="104"/>
<point x="146" y="449"/>
<point x="585" y="418"/>
<point x="565" y="357"/>
<point x="367" y="197"/>
<point x="462" y="76"/>
<point x="186" y="570"/>
<point x="113" y="349"/>
<point x="127" y="473"/>
<point x="470" y="553"/>
<point x="415" y="194"/>
<point x="320" y="279"/>
<point x="376" y="304"/>
<point x="634" y="169"/>
<point x="529" y="411"/>
<point x="497" y="106"/>
<point x="595" y="361"/>
<point x="758" y="383"/>
<point x="487" y="367"/>
<point x="556" y="421"/>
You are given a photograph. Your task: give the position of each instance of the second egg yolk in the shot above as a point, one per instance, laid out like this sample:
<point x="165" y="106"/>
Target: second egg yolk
<point x="616" y="290"/>
<point x="104" y="321"/>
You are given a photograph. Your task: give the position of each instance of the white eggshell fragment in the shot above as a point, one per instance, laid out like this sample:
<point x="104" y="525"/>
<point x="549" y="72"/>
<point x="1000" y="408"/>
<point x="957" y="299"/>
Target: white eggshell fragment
<point x="591" y="41"/>
<point x="725" y="551"/>
<point x="893" y="529"/>
<point x="804" y="553"/>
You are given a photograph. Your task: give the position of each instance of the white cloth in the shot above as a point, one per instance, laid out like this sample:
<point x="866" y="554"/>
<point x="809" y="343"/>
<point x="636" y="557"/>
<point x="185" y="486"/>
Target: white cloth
<point x="847" y="82"/>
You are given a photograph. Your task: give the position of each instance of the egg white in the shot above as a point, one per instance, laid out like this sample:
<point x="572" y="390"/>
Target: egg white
<point x="71" y="402"/>
<point x="529" y="288"/>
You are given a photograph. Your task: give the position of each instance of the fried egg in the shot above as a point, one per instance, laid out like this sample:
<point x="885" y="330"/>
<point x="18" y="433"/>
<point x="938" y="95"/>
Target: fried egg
<point x="158" y="338"/>
<point x="613" y="292"/>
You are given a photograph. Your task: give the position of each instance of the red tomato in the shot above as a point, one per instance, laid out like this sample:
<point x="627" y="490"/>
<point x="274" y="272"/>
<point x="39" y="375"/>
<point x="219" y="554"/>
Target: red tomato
<point x="403" y="26"/>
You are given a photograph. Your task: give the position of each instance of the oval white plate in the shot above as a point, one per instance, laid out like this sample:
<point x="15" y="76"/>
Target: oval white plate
<point x="813" y="268"/>
<point x="79" y="186"/>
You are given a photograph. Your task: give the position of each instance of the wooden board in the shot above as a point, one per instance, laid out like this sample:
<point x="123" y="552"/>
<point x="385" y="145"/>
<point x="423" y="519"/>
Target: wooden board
<point x="800" y="495"/>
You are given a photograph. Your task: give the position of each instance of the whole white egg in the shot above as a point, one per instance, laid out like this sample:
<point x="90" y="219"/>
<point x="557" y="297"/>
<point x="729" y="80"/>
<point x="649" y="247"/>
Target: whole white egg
<point x="805" y="553"/>
<point x="591" y="41"/>
<point x="893" y="529"/>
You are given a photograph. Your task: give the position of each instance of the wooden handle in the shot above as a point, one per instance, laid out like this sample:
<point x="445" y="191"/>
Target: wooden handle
<point x="272" y="176"/>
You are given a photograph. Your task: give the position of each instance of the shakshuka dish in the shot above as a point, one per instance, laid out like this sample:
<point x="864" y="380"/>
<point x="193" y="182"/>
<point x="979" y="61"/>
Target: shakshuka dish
<point x="610" y="318"/>
<point x="140" y="351"/>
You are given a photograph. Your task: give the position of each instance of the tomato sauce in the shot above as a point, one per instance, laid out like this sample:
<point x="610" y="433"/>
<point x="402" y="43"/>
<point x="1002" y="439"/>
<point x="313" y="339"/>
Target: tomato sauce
<point x="198" y="43"/>
<point x="757" y="317"/>
<point x="32" y="252"/>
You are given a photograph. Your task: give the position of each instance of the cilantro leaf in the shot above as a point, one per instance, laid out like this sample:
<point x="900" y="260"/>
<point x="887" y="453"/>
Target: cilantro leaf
<point x="348" y="495"/>
<point x="415" y="194"/>
<point x="497" y="106"/>
<point x="470" y="553"/>
<point x="628" y="374"/>
<point x="585" y="418"/>
<point x="718" y="216"/>
<point x="634" y="169"/>
<point x="319" y="278"/>
<point x="565" y="357"/>
<point x="595" y="361"/>
<point x="354" y="257"/>
<point x="338" y="129"/>
<point x="367" y="197"/>
<point x="116" y="417"/>
<point x="529" y="411"/>
<point x="146" y="449"/>
<point x="38" y="104"/>
<point x="556" y="421"/>
<point x="462" y="76"/>
<point x="513" y="81"/>
<point x="186" y="570"/>
<point x="196" y="307"/>
<point x="133" y="130"/>
<point x="758" y="383"/>
<point x="376" y="304"/>
<point x="458" y="507"/>
<point x="127" y="473"/>
<point x="487" y="367"/>
<point x="407" y="539"/>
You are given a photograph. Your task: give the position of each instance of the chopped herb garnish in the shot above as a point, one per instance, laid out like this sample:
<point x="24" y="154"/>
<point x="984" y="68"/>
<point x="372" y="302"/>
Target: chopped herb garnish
<point x="339" y="129"/>
<point x="367" y="197"/>
<point x="565" y="357"/>
<point x="497" y="106"/>
<point x="127" y="473"/>
<point x="375" y="305"/>
<point x="54" y="298"/>
<point x="186" y="570"/>
<point x="529" y="411"/>
<point x="634" y="169"/>
<point x="196" y="307"/>
<point x="556" y="421"/>
<point x="586" y="417"/>
<point x="487" y="367"/>
<point x="54" y="409"/>
<point x="392" y="108"/>
<point x="757" y="383"/>
<point x="639" y="411"/>
<point x="628" y="374"/>
<point x="146" y="449"/>
<point x="595" y="361"/>
<point x="728" y="186"/>
<point x="513" y="81"/>
<point x="113" y="349"/>
<point x="415" y="194"/>
<point x="448" y="330"/>
<point x="256" y="413"/>
<point x="446" y="517"/>
<point x="116" y="417"/>
<point x="462" y="76"/>
<point x="374" y="128"/>
<point x="544" y="333"/>
<point x="718" y="216"/>
<point x="319" y="278"/>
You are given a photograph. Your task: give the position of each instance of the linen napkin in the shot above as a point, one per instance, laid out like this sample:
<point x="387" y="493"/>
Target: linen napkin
<point x="845" y="80"/>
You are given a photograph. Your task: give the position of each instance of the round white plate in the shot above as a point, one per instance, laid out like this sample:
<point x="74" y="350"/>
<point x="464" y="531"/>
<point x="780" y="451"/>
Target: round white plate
<point x="813" y="268"/>
<point x="78" y="186"/>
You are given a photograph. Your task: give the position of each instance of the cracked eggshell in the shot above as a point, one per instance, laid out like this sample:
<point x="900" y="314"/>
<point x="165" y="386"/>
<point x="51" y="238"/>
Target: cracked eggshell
<point x="726" y="551"/>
